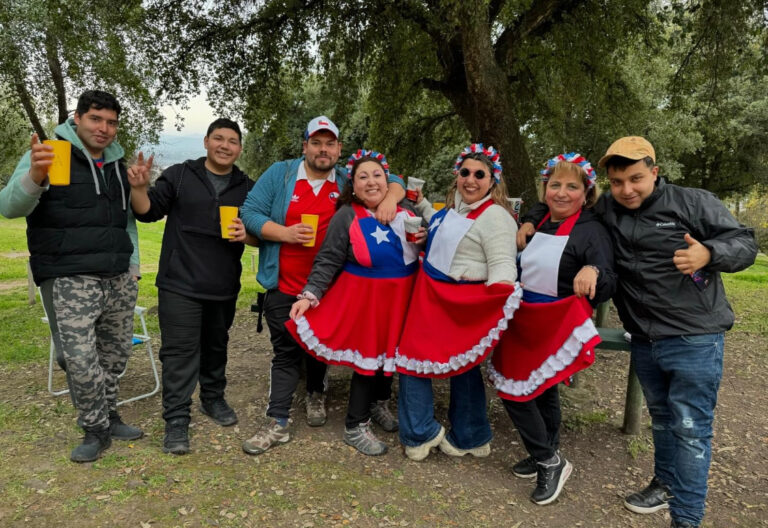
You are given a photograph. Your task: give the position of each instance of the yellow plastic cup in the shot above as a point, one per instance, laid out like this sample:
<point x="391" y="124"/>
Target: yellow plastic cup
<point x="227" y="214"/>
<point x="312" y="220"/>
<point x="58" y="172"/>
<point x="438" y="205"/>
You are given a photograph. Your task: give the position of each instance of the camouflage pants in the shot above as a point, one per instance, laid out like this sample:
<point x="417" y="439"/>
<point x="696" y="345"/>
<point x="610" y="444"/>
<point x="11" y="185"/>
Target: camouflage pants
<point x="91" y="322"/>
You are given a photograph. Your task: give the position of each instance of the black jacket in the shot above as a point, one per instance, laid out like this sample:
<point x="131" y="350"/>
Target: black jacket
<point x="194" y="260"/>
<point x="588" y="243"/>
<point x="653" y="298"/>
<point x="80" y="228"/>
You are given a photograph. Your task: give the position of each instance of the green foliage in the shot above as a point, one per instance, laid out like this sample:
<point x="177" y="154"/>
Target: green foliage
<point x="754" y="213"/>
<point x="639" y="444"/>
<point x="581" y="421"/>
<point x="53" y="51"/>
<point x="13" y="134"/>
<point x="419" y="80"/>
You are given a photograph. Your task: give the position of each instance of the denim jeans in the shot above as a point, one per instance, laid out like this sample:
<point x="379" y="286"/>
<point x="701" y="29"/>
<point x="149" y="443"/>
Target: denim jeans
<point x="467" y="411"/>
<point x="680" y="377"/>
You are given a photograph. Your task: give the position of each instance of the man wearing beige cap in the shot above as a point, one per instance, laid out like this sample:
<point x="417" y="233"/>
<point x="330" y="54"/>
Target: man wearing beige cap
<point x="671" y="243"/>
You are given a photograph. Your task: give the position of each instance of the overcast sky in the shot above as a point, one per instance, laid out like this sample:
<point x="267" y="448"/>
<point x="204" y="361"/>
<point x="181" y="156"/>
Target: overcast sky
<point x="196" y="118"/>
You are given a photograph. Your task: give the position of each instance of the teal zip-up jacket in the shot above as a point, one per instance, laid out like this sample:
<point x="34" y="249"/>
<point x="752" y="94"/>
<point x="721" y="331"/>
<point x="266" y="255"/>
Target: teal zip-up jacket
<point x="21" y="195"/>
<point x="269" y="200"/>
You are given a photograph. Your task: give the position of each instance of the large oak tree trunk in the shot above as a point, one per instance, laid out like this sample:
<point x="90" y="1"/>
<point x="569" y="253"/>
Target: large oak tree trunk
<point x="490" y="114"/>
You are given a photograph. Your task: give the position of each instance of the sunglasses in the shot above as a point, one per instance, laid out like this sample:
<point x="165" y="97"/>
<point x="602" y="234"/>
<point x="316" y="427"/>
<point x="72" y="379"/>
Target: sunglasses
<point x="478" y="174"/>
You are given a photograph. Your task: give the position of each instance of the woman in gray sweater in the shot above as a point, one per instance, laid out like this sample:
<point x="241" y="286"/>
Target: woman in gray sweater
<point x="461" y="303"/>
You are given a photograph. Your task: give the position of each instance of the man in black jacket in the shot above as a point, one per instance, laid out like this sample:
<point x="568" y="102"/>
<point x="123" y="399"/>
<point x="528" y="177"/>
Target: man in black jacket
<point x="671" y="244"/>
<point x="198" y="278"/>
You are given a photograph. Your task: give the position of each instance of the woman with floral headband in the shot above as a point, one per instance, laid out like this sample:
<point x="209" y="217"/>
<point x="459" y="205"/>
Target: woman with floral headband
<point x="565" y="269"/>
<point x="462" y="302"/>
<point x="364" y="273"/>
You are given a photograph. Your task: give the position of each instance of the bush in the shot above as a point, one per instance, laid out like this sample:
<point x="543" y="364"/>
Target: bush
<point x="753" y="212"/>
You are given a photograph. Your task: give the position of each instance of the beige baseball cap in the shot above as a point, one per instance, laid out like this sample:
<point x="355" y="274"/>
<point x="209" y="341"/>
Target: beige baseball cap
<point x="630" y="147"/>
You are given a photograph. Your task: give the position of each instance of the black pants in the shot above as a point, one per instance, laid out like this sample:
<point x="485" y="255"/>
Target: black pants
<point x="194" y="333"/>
<point x="363" y="391"/>
<point x="288" y="355"/>
<point x="538" y="422"/>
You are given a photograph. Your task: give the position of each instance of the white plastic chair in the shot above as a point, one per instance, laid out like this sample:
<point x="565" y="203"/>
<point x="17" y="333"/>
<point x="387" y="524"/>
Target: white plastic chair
<point x="142" y="338"/>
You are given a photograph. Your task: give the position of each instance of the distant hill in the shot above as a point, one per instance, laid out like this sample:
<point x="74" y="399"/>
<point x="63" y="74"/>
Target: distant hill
<point x="174" y="149"/>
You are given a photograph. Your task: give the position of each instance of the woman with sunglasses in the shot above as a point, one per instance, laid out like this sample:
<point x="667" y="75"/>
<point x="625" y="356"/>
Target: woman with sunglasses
<point x="462" y="301"/>
<point x="565" y="269"/>
<point x="364" y="274"/>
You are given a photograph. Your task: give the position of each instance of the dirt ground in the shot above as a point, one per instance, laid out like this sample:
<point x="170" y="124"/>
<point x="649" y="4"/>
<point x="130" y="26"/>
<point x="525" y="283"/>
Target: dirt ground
<point x="316" y="480"/>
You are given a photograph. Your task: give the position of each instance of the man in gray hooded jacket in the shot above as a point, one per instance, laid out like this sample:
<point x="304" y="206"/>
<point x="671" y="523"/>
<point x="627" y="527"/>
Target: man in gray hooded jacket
<point x="83" y="249"/>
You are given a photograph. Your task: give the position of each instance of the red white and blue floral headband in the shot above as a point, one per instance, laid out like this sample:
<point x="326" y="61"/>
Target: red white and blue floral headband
<point x="362" y="153"/>
<point x="489" y="152"/>
<point x="570" y="157"/>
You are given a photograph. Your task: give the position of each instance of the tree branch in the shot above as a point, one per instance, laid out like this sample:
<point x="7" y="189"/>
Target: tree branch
<point x="494" y="9"/>
<point x="29" y="107"/>
<point x="537" y="20"/>
<point x="54" y="65"/>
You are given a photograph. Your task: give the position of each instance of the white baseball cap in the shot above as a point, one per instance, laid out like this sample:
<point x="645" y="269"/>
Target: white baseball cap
<point x="318" y="124"/>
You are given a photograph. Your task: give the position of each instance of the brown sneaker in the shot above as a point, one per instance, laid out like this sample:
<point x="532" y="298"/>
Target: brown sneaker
<point x="268" y="435"/>
<point x="316" y="415"/>
<point x="383" y="416"/>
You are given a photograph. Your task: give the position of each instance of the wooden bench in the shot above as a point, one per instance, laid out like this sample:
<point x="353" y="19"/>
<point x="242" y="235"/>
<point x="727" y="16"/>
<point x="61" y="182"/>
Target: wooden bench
<point x="613" y="339"/>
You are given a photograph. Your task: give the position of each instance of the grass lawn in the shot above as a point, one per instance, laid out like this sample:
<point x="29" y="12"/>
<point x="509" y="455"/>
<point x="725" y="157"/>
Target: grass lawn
<point x="25" y="336"/>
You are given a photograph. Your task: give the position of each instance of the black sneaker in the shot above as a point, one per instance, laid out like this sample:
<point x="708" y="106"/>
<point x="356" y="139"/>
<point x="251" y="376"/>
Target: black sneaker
<point x="682" y="524"/>
<point x="94" y="444"/>
<point x="122" y="431"/>
<point x="653" y="498"/>
<point x="219" y="411"/>
<point x="176" y="441"/>
<point x="550" y="478"/>
<point x="525" y="468"/>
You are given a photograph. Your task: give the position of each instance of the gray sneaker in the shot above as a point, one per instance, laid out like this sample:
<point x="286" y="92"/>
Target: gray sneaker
<point x="268" y="435"/>
<point x="383" y="416"/>
<point x="316" y="415"/>
<point x="363" y="439"/>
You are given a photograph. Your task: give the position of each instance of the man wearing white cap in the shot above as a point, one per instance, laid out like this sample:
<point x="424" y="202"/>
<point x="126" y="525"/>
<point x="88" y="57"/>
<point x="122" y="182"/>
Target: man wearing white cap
<point x="273" y="212"/>
<point x="671" y="244"/>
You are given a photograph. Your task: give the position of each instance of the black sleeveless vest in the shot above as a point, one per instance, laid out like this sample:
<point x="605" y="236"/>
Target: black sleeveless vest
<point x="80" y="228"/>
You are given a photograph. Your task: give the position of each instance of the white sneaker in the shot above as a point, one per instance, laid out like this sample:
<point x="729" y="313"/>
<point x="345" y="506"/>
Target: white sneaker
<point x="420" y="452"/>
<point x="449" y="449"/>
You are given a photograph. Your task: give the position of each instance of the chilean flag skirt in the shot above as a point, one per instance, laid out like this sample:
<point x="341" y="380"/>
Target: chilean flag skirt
<point x="452" y="327"/>
<point x="357" y="324"/>
<point x="359" y="320"/>
<point x="546" y="343"/>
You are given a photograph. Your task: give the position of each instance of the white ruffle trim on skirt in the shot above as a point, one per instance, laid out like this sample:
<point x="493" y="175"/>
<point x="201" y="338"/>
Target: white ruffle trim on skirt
<point x="555" y="363"/>
<point x="470" y="356"/>
<point x="347" y="356"/>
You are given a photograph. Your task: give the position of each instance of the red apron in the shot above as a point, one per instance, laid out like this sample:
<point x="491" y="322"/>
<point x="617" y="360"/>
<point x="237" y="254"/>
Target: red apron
<point x="359" y="320"/>
<point x="451" y="326"/>
<point x="529" y="360"/>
